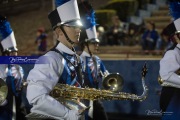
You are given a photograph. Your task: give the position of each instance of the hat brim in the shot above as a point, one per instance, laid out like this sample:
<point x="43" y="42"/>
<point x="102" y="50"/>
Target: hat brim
<point x="2" y="18"/>
<point x="172" y="29"/>
<point x="169" y="30"/>
<point x="11" y="49"/>
<point x="93" y="40"/>
<point x="74" y="23"/>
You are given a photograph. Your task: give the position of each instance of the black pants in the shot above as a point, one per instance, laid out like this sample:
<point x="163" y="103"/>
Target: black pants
<point x="98" y="111"/>
<point x="166" y="95"/>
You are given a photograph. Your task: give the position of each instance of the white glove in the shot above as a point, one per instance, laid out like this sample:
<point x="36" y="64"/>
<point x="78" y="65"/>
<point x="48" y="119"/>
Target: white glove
<point x="4" y="103"/>
<point x="90" y="112"/>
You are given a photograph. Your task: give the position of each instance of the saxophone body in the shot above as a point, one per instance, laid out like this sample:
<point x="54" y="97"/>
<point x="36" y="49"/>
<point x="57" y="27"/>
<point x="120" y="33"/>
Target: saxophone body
<point x="70" y="96"/>
<point x="71" y="92"/>
<point x="168" y="84"/>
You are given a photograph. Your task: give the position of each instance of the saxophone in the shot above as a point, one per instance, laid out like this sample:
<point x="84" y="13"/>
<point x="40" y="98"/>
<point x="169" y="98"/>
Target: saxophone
<point x="70" y="95"/>
<point x="168" y="84"/>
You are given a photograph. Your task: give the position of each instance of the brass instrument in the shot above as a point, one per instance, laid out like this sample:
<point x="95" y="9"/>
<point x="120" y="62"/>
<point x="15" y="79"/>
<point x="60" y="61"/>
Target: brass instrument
<point x="160" y="80"/>
<point x="69" y="95"/>
<point x="112" y="81"/>
<point x="3" y="91"/>
<point x="71" y="92"/>
<point x="164" y="83"/>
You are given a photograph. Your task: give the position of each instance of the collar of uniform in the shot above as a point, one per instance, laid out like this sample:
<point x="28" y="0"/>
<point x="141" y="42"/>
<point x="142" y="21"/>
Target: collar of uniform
<point x="84" y="53"/>
<point x="178" y="45"/>
<point x="65" y="49"/>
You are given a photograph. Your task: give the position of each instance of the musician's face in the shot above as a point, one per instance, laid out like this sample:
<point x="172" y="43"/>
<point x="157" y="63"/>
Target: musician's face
<point x="177" y="38"/>
<point x="93" y="47"/>
<point x="73" y="33"/>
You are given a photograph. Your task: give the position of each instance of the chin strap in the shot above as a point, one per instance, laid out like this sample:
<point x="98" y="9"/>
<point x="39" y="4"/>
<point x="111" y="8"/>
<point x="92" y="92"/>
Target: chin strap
<point x="88" y="49"/>
<point x="67" y="38"/>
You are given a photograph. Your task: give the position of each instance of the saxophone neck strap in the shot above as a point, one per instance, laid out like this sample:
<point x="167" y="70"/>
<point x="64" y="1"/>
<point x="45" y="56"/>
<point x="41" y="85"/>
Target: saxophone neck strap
<point x="63" y="56"/>
<point x="77" y="68"/>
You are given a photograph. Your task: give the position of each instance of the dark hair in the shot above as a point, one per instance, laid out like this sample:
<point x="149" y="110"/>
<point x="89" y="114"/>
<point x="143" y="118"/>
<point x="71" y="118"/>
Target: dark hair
<point x="153" y="24"/>
<point x="82" y="39"/>
<point x="1" y="49"/>
<point x="41" y="30"/>
<point x="172" y="37"/>
<point x="2" y="18"/>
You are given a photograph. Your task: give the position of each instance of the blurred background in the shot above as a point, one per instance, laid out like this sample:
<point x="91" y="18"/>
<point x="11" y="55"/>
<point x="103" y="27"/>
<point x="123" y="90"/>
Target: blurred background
<point x="27" y="16"/>
<point x="121" y="26"/>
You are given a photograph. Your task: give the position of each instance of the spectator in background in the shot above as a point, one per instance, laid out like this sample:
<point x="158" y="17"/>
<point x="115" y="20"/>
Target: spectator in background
<point x="133" y="34"/>
<point x="41" y="41"/>
<point x="132" y="30"/>
<point x="117" y="32"/>
<point x="149" y="37"/>
<point x="164" y="42"/>
<point x="101" y="35"/>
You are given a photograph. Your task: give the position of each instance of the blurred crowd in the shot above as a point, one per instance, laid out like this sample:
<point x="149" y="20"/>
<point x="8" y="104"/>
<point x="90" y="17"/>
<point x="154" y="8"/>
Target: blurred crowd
<point x="128" y="34"/>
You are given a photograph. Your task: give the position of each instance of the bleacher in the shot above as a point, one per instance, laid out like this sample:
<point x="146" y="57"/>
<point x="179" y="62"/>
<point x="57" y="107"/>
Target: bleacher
<point x="12" y="7"/>
<point x="158" y="12"/>
<point x="128" y="53"/>
<point x="160" y="17"/>
<point x="26" y="23"/>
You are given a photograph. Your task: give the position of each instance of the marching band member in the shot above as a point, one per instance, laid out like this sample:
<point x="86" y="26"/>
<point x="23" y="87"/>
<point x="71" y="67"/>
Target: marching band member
<point x="10" y="73"/>
<point x="169" y="65"/>
<point x="92" y="63"/>
<point x="62" y="66"/>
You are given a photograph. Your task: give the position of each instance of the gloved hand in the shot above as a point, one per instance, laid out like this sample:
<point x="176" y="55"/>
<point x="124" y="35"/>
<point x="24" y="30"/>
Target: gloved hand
<point x="4" y="103"/>
<point x="90" y="112"/>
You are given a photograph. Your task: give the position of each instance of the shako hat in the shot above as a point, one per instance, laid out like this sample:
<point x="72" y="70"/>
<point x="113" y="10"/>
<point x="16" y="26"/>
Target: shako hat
<point x="88" y="20"/>
<point x="66" y="13"/>
<point x="7" y="37"/>
<point x="173" y="27"/>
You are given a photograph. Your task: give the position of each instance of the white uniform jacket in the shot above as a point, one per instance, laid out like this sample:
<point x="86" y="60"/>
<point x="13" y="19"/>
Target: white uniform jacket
<point x="169" y="64"/>
<point x="42" y="79"/>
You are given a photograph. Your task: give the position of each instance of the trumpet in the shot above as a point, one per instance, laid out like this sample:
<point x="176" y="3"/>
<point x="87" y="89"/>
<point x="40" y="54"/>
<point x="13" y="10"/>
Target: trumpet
<point x="112" y="81"/>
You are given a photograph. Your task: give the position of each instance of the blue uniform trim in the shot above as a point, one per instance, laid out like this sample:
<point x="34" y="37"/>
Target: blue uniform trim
<point x="88" y="75"/>
<point x="5" y="30"/>
<point x="60" y="2"/>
